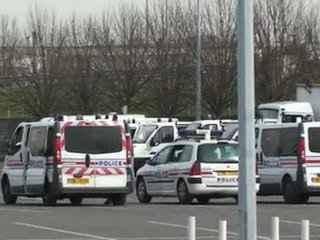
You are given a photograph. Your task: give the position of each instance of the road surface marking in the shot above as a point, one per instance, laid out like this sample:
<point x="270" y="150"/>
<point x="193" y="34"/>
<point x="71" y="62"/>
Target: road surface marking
<point x="62" y="231"/>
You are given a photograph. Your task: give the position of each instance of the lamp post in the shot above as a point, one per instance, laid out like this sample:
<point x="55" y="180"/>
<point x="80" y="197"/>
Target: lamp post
<point x="198" y="64"/>
<point x="247" y="181"/>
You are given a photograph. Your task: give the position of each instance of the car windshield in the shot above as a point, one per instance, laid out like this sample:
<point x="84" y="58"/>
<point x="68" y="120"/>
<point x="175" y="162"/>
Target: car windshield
<point x="218" y="153"/>
<point x="193" y="126"/>
<point x="143" y="133"/>
<point x="268" y="113"/>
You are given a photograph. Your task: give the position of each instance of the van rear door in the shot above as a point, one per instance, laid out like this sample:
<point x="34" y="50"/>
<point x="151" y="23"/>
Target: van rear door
<point x="94" y="156"/>
<point x="312" y="153"/>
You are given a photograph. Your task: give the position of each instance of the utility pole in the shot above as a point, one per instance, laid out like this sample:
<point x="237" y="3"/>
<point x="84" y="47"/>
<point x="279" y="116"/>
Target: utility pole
<point x="246" y="99"/>
<point x="198" y="64"/>
<point x="147" y="20"/>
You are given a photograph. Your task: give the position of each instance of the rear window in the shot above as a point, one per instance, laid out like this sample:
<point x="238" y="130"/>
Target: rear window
<point x="94" y="140"/>
<point x="314" y="136"/>
<point x="218" y="153"/>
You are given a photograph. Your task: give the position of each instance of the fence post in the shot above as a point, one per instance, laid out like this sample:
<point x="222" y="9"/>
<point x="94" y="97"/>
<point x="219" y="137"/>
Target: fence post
<point x="222" y="230"/>
<point x="192" y="228"/>
<point x="305" y="235"/>
<point x="275" y="228"/>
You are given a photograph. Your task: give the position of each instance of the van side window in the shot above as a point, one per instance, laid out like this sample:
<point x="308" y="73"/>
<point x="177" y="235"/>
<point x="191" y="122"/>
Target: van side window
<point x="37" y="140"/>
<point x="270" y="142"/>
<point x="16" y="141"/>
<point x="167" y="134"/>
<point x="50" y="141"/>
<point x="289" y="141"/>
<point x="164" y="135"/>
<point x="314" y="136"/>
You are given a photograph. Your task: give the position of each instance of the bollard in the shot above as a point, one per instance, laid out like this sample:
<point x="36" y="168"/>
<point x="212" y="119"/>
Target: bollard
<point x="305" y="230"/>
<point x="275" y="228"/>
<point x="192" y="228"/>
<point x="222" y="230"/>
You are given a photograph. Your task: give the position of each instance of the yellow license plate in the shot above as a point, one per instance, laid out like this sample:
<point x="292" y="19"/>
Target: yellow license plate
<point x="78" y="180"/>
<point x="315" y="179"/>
<point x="228" y="173"/>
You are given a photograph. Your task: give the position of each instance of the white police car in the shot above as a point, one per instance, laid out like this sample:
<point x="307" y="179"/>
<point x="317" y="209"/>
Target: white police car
<point x="189" y="169"/>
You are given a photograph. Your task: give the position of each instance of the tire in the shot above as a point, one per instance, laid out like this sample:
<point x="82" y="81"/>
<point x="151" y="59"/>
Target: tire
<point x="183" y="193"/>
<point x="8" y="197"/>
<point x="76" y="200"/>
<point x="48" y="198"/>
<point x="289" y="194"/>
<point x="119" y="199"/>
<point x="141" y="192"/>
<point x="304" y="198"/>
<point x="203" y="199"/>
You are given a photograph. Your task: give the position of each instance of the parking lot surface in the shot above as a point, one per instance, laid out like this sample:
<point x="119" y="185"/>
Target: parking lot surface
<point x="162" y="219"/>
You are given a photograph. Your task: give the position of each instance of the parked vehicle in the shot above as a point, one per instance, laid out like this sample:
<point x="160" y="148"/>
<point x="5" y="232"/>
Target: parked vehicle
<point x="57" y="159"/>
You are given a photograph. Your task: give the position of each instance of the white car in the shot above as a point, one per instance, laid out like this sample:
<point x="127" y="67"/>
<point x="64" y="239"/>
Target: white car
<point x="189" y="169"/>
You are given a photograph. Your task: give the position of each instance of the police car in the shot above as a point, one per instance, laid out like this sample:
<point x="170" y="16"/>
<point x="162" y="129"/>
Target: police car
<point x="189" y="169"/>
<point x="60" y="158"/>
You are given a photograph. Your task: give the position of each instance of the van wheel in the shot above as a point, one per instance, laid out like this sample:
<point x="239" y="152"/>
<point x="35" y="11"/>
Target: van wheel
<point x="203" y="199"/>
<point x="289" y="193"/>
<point x="48" y="199"/>
<point x="141" y="191"/>
<point x="119" y="199"/>
<point x="8" y="197"/>
<point x="76" y="200"/>
<point x="183" y="193"/>
<point x="304" y="198"/>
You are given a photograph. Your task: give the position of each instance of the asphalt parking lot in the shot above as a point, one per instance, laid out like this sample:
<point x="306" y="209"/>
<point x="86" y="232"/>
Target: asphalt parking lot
<point x="163" y="219"/>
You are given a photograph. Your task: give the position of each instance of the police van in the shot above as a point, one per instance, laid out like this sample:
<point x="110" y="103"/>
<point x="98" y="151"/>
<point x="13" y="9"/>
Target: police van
<point x="288" y="156"/>
<point x="57" y="159"/>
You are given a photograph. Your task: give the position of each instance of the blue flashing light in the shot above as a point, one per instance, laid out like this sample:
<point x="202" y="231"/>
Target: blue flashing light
<point x="58" y="117"/>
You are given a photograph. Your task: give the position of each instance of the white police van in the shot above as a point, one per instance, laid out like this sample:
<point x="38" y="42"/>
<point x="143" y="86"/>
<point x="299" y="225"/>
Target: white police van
<point x="56" y="159"/>
<point x="288" y="156"/>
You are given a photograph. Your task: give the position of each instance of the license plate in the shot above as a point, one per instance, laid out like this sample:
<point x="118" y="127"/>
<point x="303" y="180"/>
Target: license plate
<point x="228" y="173"/>
<point x="315" y="179"/>
<point x="78" y="181"/>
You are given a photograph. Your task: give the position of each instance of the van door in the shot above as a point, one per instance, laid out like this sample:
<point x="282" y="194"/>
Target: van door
<point x="16" y="158"/>
<point x="312" y="154"/>
<point x="110" y="156"/>
<point x="268" y="154"/>
<point x="77" y="160"/>
<point x="36" y="166"/>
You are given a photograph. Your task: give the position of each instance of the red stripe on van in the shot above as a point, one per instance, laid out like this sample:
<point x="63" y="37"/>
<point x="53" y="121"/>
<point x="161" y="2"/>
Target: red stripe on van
<point x="70" y="170"/>
<point x="313" y="161"/>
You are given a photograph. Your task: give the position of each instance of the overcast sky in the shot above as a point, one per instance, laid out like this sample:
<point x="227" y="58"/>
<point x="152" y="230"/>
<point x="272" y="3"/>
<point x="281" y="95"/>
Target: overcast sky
<point x="20" y="8"/>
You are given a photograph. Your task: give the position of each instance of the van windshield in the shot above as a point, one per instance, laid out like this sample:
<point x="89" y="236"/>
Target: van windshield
<point x="93" y="139"/>
<point x="218" y="153"/>
<point x="143" y="133"/>
<point x="265" y="113"/>
<point x="314" y="136"/>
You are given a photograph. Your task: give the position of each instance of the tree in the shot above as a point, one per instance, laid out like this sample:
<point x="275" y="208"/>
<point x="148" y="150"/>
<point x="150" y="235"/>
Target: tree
<point x="39" y="91"/>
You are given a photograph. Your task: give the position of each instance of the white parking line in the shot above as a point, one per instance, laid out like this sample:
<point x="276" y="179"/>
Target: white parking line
<point x="299" y="223"/>
<point x="23" y="210"/>
<point x="62" y="231"/>
<point x="199" y="228"/>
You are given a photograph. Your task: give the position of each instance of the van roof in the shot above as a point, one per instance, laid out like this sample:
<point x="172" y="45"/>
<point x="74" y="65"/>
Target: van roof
<point x="289" y="106"/>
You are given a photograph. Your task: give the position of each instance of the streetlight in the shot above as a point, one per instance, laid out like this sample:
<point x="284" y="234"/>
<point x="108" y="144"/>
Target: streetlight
<point x="198" y="69"/>
<point x="247" y="181"/>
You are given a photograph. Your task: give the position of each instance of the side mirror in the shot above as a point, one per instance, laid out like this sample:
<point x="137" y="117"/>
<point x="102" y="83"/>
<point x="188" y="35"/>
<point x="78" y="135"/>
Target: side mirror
<point x="153" y="143"/>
